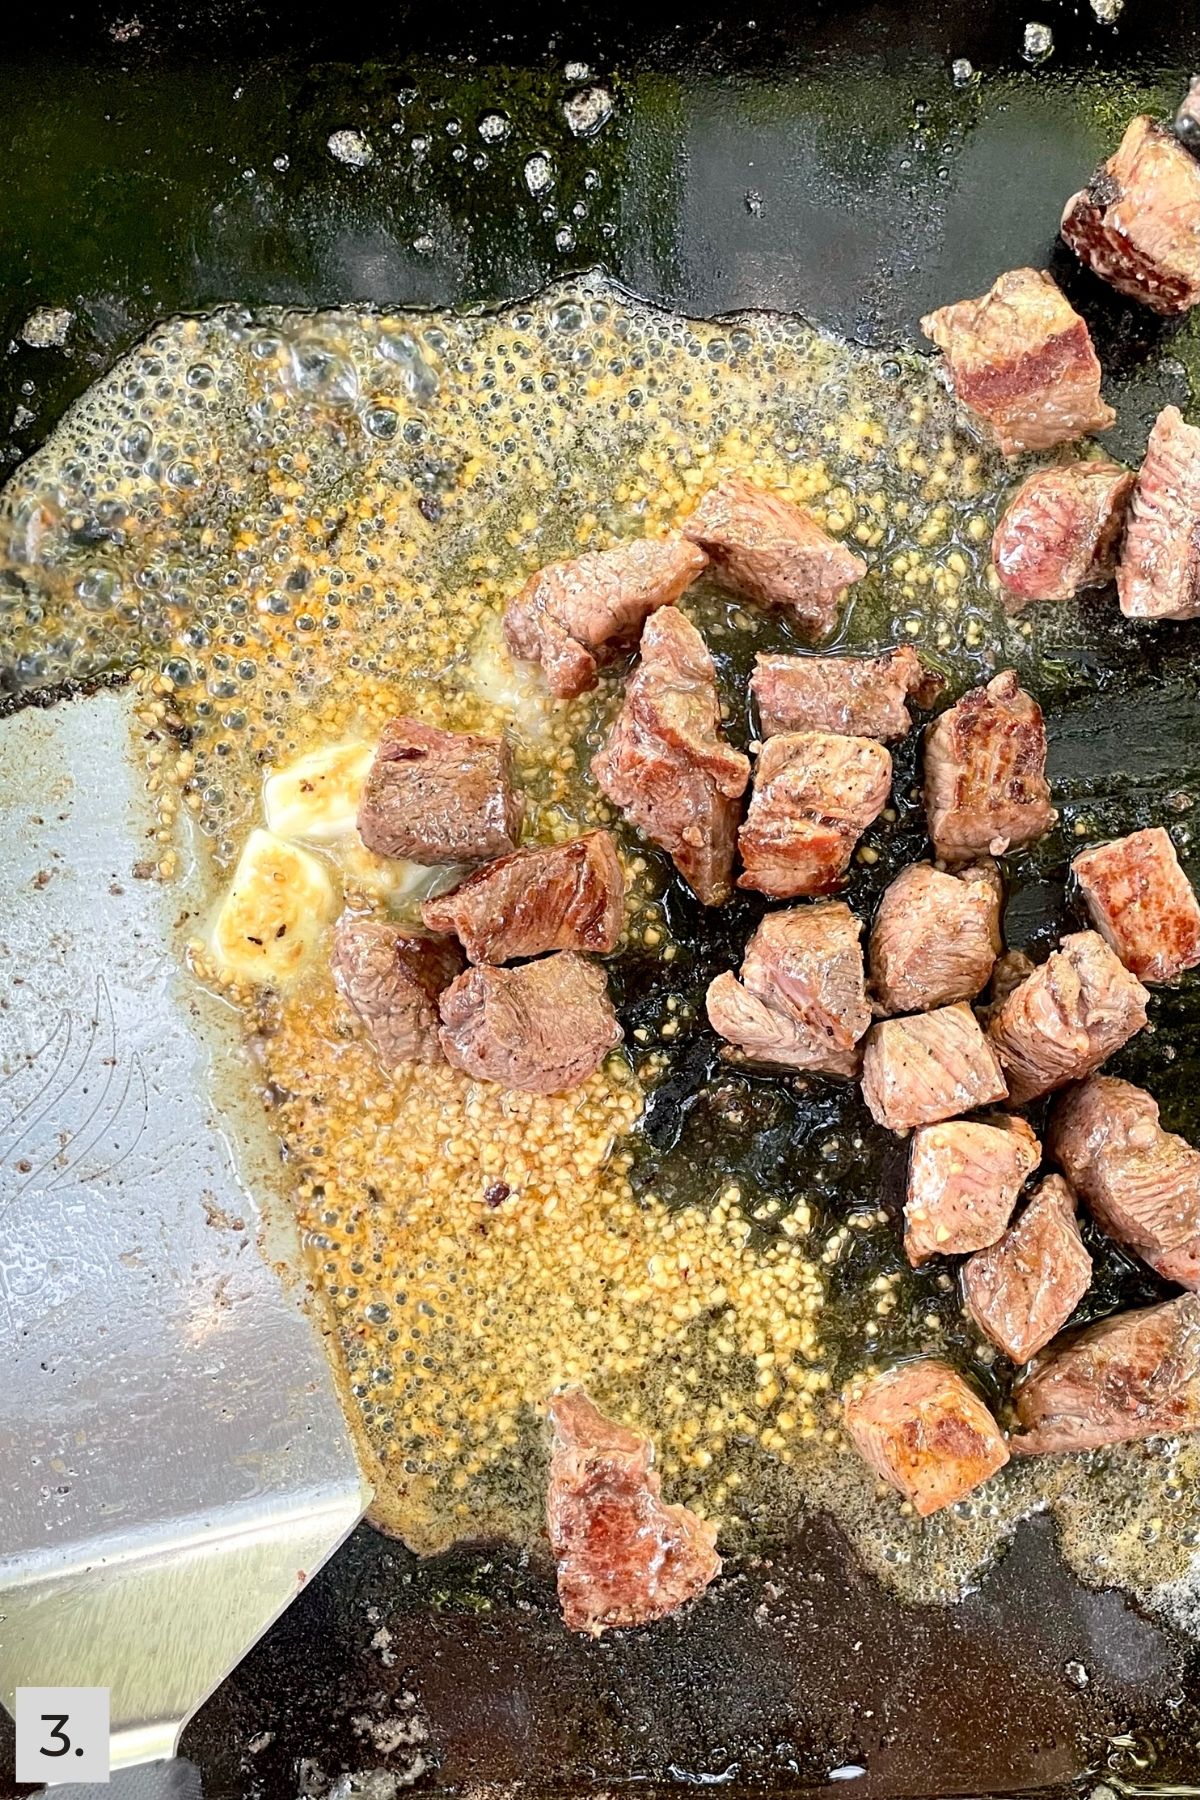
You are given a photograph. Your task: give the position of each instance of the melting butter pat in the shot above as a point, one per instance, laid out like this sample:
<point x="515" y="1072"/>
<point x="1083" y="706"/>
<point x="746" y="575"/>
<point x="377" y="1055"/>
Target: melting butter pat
<point x="277" y="903"/>
<point x="316" y="798"/>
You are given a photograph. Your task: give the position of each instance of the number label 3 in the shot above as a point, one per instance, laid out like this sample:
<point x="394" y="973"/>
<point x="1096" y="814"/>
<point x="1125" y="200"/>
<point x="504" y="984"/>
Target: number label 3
<point x="62" y="1734"/>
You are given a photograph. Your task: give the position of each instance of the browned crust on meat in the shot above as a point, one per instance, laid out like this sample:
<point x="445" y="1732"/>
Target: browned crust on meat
<point x="1142" y="903"/>
<point x="1137" y="223"/>
<point x="546" y="897"/>
<point x="774" y="553"/>
<point x="624" y="1556"/>
<point x="924" y="1431"/>
<point x="574" y="616"/>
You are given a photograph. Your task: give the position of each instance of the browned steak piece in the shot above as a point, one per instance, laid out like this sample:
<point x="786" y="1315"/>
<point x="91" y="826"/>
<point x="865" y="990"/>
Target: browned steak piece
<point x="936" y="937"/>
<point x="666" y="763"/>
<point x="1021" y="359"/>
<point x="814" y="795"/>
<point x="1141" y="1182"/>
<point x="964" y="1177"/>
<point x="930" y="1067"/>
<point x="1068" y="1017"/>
<point x="774" y="553"/>
<point x="801" y="1001"/>
<point x="1137" y="222"/>
<point x="922" y="1429"/>
<point x="560" y="897"/>
<point x="624" y="1557"/>
<point x="1142" y="903"/>
<point x="1158" y="576"/>
<point x="1061" y="532"/>
<point x="543" y="1026"/>
<point x="858" y="696"/>
<point x="439" y="796"/>
<point x="985" y="773"/>
<point x="1022" y="1290"/>
<point x="573" y="616"/>
<point x="1131" y="1376"/>
<point x="392" y="980"/>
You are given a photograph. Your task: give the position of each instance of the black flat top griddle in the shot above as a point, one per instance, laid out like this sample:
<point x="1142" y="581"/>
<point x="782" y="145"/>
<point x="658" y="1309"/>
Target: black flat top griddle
<point x="817" y="158"/>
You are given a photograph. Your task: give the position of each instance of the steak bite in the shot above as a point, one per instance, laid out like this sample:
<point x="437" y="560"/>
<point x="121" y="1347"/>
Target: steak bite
<point x="666" y="763"/>
<point x="801" y="1000"/>
<point x="558" y="897"/>
<point x="1068" y="1017"/>
<point x="1021" y="359"/>
<point x="985" y="773"/>
<point x="573" y="616"/>
<point x="769" y="551"/>
<point x="814" y="795"/>
<point x="963" y="1180"/>
<point x="936" y="937"/>
<point x="858" y="696"/>
<point x="1132" y="1376"/>
<point x="1137" y="222"/>
<point x="436" y="796"/>
<point x="924" y="1431"/>
<point x="1142" y="1183"/>
<point x="543" y="1027"/>
<point x="391" y="980"/>
<point x="1142" y="903"/>
<point x="1022" y="1289"/>
<point x="1061" y="532"/>
<point x="1158" y="576"/>
<point x="930" y="1067"/>
<point x="624" y="1557"/>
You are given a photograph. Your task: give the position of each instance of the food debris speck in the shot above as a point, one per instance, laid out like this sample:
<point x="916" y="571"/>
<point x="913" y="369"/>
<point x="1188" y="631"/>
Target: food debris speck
<point x="1038" y="42"/>
<point x="351" y="147"/>
<point x="47" y="328"/>
<point x="587" y="111"/>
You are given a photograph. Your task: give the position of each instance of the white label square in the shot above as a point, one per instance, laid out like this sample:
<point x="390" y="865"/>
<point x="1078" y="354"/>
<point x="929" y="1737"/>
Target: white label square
<point x="62" y="1734"/>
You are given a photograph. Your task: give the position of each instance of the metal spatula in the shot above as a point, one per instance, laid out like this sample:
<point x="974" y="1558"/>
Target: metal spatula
<point x="173" y="1461"/>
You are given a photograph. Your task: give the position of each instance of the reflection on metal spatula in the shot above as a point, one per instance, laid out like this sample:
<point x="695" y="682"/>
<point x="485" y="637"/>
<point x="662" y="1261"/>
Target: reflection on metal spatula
<point x="173" y="1461"/>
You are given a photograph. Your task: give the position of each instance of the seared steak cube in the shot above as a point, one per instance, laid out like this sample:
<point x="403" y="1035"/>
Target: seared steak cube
<point x="391" y="980"/>
<point x="439" y="796"/>
<point x="562" y="897"/>
<point x="933" y="1066"/>
<point x="1022" y="1290"/>
<point x="769" y="551"/>
<point x="1068" y="1017"/>
<point x="922" y="1429"/>
<point x="814" y="795"/>
<point x="801" y="1001"/>
<point x="858" y="696"/>
<point x="624" y="1557"/>
<point x="1132" y="1376"/>
<point x="1061" y="532"/>
<point x="1021" y="359"/>
<point x="936" y="936"/>
<point x="1142" y="903"/>
<point x="543" y="1026"/>
<point x="667" y="764"/>
<point x="573" y="616"/>
<point x="963" y="1180"/>
<point x="1137" y="223"/>
<point x="1158" y="576"/>
<point x="1141" y="1182"/>
<point x="985" y="773"/>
